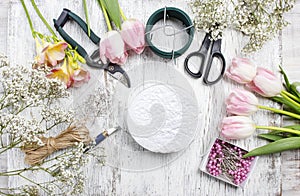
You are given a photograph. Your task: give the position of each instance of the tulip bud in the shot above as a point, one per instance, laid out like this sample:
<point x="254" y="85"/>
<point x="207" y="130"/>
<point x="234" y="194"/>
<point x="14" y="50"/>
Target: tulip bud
<point x="241" y="102"/>
<point x="133" y="34"/>
<point x="113" y="47"/>
<point x="265" y="83"/>
<point x="237" y="127"/>
<point x="242" y="70"/>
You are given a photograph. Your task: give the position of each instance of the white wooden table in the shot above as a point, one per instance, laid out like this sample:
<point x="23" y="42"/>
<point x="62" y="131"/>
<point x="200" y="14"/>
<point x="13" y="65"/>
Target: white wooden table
<point x="274" y="175"/>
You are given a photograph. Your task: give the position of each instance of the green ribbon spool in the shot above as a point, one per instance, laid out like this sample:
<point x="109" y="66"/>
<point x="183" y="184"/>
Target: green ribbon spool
<point x="178" y="14"/>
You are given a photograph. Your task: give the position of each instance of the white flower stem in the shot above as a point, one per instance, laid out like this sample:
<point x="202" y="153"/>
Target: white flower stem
<point x="33" y="182"/>
<point x="278" y="111"/>
<point x="281" y="129"/>
<point x="10" y="146"/>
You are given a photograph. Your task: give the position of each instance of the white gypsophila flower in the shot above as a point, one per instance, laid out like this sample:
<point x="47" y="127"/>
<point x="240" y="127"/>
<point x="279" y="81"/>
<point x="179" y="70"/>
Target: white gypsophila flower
<point x="212" y="16"/>
<point x="29" y="87"/>
<point x="57" y="115"/>
<point x="97" y="104"/>
<point x="260" y="20"/>
<point x="3" y="61"/>
<point x="70" y="169"/>
<point x="21" y="130"/>
<point x="30" y="190"/>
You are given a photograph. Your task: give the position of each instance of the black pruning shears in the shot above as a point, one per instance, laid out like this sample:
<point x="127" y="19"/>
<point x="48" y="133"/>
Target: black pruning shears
<point x="94" y="60"/>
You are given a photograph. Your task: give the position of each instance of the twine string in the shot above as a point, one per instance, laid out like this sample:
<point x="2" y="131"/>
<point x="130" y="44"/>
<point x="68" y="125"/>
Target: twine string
<point x="35" y="154"/>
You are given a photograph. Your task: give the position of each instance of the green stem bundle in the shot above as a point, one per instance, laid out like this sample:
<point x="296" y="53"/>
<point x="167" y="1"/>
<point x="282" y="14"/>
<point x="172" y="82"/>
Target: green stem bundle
<point x="278" y="111"/>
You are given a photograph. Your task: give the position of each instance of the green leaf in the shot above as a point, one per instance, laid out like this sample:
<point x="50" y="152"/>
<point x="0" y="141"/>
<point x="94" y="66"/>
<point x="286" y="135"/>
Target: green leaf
<point x="277" y="146"/>
<point x="287" y="104"/>
<point x="271" y="137"/>
<point x="296" y="127"/>
<point x="294" y="89"/>
<point x="287" y="82"/>
<point x="113" y="9"/>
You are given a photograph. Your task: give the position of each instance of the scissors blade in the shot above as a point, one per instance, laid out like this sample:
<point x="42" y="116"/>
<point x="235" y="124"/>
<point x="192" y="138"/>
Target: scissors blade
<point x="119" y="74"/>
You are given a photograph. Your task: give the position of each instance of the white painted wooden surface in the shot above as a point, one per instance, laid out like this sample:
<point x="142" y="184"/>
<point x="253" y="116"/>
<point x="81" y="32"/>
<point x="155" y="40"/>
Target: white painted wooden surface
<point x="173" y="175"/>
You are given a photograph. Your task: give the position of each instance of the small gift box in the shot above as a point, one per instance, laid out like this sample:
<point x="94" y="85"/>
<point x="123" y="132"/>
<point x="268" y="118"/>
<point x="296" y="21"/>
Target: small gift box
<point x="225" y="162"/>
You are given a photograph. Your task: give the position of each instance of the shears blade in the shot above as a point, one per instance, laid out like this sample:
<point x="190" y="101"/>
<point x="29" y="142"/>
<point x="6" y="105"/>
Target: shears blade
<point x="121" y="77"/>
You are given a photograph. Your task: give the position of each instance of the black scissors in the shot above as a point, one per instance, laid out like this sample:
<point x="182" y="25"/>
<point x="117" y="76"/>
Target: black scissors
<point x="94" y="60"/>
<point x="203" y="55"/>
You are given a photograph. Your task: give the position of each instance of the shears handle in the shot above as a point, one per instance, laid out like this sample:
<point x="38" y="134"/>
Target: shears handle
<point x="216" y="54"/>
<point x="64" y="17"/>
<point x="201" y="58"/>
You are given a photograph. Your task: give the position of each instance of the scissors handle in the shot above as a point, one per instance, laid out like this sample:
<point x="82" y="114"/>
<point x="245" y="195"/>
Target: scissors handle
<point x="187" y="65"/>
<point x="216" y="53"/>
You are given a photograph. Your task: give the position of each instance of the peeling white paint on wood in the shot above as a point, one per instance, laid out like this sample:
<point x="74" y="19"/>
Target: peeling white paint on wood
<point x="179" y="174"/>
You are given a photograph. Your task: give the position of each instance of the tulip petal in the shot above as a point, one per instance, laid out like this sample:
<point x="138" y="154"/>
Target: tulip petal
<point x="242" y="70"/>
<point x="237" y="127"/>
<point x="133" y="34"/>
<point x="113" y="47"/>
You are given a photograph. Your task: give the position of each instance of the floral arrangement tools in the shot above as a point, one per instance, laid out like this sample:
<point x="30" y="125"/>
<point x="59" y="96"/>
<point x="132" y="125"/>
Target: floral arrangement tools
<point x="203" y="56"/>
<point x="94" y="60"/>
<point x="164" y="14"/>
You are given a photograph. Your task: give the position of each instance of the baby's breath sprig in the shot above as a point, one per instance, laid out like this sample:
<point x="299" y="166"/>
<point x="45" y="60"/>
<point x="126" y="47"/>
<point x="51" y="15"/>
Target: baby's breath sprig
<point x="212" y="16"/>
<point x="260" y="20"/>
<point x="21" y="89"/>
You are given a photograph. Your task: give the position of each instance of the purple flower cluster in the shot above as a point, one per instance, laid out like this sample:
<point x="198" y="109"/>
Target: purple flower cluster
<point x="226" y="159"/>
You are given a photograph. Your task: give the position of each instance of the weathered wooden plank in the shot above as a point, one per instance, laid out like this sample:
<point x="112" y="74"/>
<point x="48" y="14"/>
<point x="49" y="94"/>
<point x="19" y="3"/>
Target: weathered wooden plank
<point x="273" y="175"/>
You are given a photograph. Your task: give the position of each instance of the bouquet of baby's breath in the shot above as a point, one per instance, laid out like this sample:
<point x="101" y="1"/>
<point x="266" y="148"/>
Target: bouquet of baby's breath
<point x="30" y="109"/>
<point x="257" y="19"/>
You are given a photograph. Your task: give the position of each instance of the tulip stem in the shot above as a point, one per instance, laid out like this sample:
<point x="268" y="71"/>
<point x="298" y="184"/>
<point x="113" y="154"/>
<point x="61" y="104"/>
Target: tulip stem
<point x="289" y="99"/>
<point x="105" y="16"/>
<point x="28" y="18"/>
<point x="86" y="17"/>
<point x="42" y="18"/>
<point x="280" y="111"/>
<point x="291" y="96"/>
<point x="122" y="13"/>
<point x="281" y="129"/>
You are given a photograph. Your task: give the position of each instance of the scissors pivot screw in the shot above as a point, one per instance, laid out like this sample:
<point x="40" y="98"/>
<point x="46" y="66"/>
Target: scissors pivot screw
<point x="111" y="68"/>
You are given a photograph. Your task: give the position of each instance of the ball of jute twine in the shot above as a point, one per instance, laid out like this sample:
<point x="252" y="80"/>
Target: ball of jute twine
<point x="35" y="154"/>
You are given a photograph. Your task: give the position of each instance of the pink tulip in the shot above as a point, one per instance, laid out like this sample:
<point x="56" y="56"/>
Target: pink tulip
<point x="241" y="102"/>
<point x="79" y="77"/>
<point x="265" y="83"/>
<point x="237" y="127"/>
<point x="133" y="34"/>
<point x="113" y="47"/>
<point x="242" y="70"/>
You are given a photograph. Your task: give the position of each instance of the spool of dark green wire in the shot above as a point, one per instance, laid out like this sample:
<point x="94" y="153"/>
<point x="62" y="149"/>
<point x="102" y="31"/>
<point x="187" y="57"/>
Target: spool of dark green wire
<point x="175" y="13"/>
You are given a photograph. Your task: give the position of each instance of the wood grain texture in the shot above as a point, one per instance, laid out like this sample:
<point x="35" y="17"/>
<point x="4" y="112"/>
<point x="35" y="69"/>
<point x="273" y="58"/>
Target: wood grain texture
<point x="159" y="174"/>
